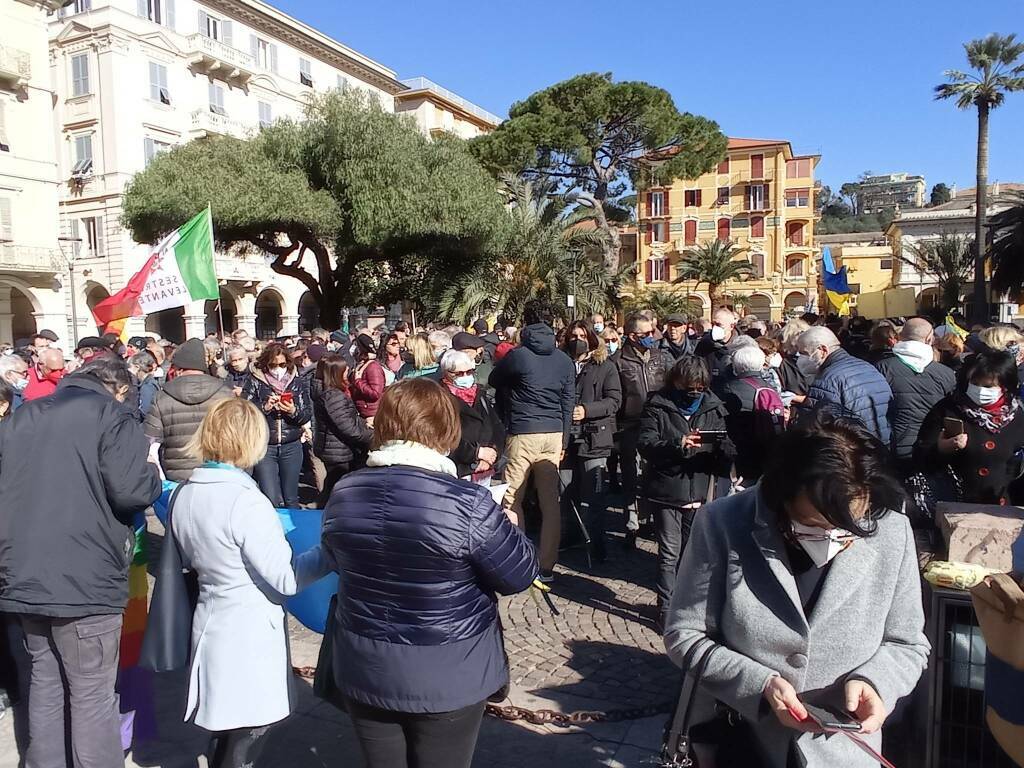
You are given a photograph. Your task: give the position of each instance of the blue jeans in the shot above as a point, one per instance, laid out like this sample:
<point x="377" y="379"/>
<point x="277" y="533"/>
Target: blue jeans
<point x="278" y="474"/>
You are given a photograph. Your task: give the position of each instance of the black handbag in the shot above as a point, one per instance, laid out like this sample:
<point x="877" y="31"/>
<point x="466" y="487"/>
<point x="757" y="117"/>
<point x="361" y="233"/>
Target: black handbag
<point x="167" y="642"/>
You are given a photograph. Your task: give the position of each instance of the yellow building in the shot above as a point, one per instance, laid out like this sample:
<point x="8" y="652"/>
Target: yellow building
<point x="760" y="197"/>
<point x="868" y="259"/>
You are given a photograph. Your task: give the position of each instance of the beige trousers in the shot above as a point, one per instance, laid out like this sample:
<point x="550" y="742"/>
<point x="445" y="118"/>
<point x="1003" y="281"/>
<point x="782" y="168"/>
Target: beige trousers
<point x="539" y="454"/>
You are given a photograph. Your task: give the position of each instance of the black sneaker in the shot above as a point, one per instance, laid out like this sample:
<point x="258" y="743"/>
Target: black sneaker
<point x="630" y="541"/>
<point x="546" y="577"/>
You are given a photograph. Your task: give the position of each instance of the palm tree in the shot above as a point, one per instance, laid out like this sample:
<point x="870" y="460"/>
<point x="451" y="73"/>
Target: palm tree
<point x="949" y="259"/>
<point x="714" y="263"/>
<point x="1007" y="253"/>
<point x="545" y="255"/>
<point x="995" y="60"/>
<point x="664" y="302"/>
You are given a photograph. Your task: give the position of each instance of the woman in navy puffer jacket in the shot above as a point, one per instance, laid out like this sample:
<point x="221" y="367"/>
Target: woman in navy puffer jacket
<point x="421" y="557"/>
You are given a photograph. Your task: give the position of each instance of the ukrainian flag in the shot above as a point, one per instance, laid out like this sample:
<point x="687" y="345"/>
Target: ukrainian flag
<point x="836" y="286"/>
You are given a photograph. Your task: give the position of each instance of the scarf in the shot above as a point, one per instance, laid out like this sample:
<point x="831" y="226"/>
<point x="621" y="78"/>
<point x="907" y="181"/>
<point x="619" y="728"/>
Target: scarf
<point x="916" y="355"/>
<point x="991" y="418"/>
<point x="410" y="454"/>
<point x="687" y="407"/>
<point x="282" y="384"/>
<point x="467" y="395"/>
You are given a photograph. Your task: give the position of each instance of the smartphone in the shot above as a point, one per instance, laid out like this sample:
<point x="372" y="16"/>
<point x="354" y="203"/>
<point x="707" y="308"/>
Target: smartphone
<point x="287" y="397"/>
<point x="713" y="435"/>
<point x="832" y="719"/>
<point x="953" y="427"/>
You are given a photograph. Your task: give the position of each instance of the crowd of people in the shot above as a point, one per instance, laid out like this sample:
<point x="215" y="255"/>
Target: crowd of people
<point x="827" y="439"/>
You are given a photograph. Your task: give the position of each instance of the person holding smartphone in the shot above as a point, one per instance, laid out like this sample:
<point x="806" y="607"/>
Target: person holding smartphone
<point x="976" y="432"/>
<point x="283" y="396"/>
<point x="684" y="442"/>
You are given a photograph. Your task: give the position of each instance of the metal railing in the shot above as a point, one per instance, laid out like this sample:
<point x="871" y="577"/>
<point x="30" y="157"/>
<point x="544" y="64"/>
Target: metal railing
<point x="207" y="46"/>
<point x="15" y="63"/>
<point x="423" y="84"/>
<point x="28" y="258"/>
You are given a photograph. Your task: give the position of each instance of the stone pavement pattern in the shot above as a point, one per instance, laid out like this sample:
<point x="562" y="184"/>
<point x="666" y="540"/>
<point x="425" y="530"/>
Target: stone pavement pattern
<point x="602" y="653"/>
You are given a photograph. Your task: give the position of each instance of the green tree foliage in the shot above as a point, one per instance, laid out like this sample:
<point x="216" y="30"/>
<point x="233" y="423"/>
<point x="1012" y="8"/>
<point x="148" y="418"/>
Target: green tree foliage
<point x="949" y="259"/>
<point x="597" y="139"/>
<point x="664" y="302"/>
<point x="940" y="194"/>
<point x="838" y="220"/>
<point x="714" y="263"/>
<point x="998" y="64"/>
<point x="544" y="256"/>
<point x="350" y="191"/>
<point x="1007" y="251"/>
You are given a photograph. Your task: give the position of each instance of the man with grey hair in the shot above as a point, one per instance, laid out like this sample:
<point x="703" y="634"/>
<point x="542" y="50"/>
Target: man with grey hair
<point x="918" y="383"/>
<point x="843" y="383"/>
<point x="14" y="371"/>
<point x="714" y="346"/>
<point x="440" y="342"/>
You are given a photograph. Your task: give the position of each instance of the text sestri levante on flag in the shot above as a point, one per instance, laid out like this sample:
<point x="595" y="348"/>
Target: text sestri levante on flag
<point x="179" y="271"/>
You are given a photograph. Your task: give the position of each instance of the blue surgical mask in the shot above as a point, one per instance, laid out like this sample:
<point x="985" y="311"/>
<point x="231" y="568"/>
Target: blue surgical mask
<point x="613" y="347"/>
<point x="649" y="342"/>
<point x="598" y="327"/>
<point x="464" y="382"/>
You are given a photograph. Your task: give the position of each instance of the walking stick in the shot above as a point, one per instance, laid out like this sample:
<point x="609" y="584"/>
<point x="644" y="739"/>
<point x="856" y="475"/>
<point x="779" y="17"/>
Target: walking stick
<point x="579" y="519"/>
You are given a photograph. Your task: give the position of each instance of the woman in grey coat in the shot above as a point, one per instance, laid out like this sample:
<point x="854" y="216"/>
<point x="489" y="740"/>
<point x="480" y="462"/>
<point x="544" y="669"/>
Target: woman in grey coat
<point x="806" y="590"/>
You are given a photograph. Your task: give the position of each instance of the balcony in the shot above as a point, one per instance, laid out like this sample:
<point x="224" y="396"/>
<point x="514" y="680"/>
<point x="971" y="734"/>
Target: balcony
<point x="207" y="123"/>
<point x="212" y="57"/>
<point x="246" y="268"/>
<point x="26" y="258"/>
<point x="15" y="67"/>
<point x="766" y="174"/>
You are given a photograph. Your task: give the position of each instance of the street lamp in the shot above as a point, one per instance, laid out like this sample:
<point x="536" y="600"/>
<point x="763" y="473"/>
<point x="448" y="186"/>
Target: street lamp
<point x="69" y="262"/>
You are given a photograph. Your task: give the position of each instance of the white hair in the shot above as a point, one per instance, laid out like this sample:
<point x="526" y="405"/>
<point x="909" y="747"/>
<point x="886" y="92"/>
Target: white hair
<point x="439" y="339"/>
<point x="457" y="360"/>
<point x="817" y="336"/>
<point x="9" y="362"/>
<point x="747" y="360"/>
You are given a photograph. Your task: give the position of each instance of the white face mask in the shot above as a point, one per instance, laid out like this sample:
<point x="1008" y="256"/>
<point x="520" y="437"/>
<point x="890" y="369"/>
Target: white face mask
<point x="717" y="333"/>
<point x="20" y="383"/>
<point x="613" y="347"/>
<point x="821" y="545"/>
<point x="775" y="361"/>
<point x="808" y="365"/>
<point x="278" y="373"/>
<point x="984" y="395"/>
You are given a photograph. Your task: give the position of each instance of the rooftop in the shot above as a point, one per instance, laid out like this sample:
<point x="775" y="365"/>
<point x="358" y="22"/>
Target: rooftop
<point x="421" y="84"/>
<point x="850" y="238"/>
<point x="735" y="143"/>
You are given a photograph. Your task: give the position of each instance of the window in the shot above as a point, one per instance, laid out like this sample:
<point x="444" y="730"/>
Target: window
<point x="657" y="270"/>
<point x="94" y="234"/>
<point x="757" y="264"/>
<point x="657" y="204"/>
<point x="659" y="232"/>
<point x="690" y="232"/>
<point x="798" y="198"/>
<point x="152" y="148"/>
<point x="885" y="265"/>
<point x="264" y="52"/>
<point x="757" y="226"/>
<point x="157" y="11"/>
<point x="5" y="145"/>
<point x="83" y="156"/>
<point x="80" y="74"/>
<point x="79" y="6"/>
<point x="158" y="83"/>
<point x="795" y="233"/>
<point x="757" y="197"/>
<point x="724" y="229"/>
<point x="757" y="166"/>
<point x="723" y="196"/>
<point x="6" y="222"/>
<point x="217" y="99"/>
<point x="795" y="267"/>
<point x="305" y="73"/>
<point x="691" y="198"/>
<point x="798" y="168"/>
<point x="266" y="116"/>
<point x="723" y="167"/>
<point x="214" y="28"/>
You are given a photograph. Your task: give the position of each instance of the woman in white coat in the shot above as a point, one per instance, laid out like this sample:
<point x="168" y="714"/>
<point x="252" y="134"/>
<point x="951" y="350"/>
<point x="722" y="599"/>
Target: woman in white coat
<point x="230" y="535"/>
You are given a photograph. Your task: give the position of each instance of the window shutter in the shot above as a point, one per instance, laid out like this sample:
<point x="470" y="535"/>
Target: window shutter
<point x="273" y="57"/>
<point x="767" y="188"/>
<point x="142" y="8"/>
<point x="3" y="129"/>
<point x="227" y="32"/>
<point x="700" y="198"/>
<point x="204" y="23"/>
<point x="148" y="150"/>
<point x="649" y="234"/>
<point x="665" y="207"/>
<point x="650" y="205"/>
<point x="100" y="239"/>
<point x="6" y="223"/>
<point x="690" y="231"/>
<point x="169" y="14"/>
<point x="154" y="81"/>
<point x="649" y="271"/>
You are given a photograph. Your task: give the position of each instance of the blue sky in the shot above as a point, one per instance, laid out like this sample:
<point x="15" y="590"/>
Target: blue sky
<point x="858" y="78"/>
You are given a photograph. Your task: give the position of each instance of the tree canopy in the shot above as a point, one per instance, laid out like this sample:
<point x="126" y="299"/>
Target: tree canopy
<point x="949" y="259"/>
<point x="714" y="263"/>
<point x="941" y="193"/>
<point x="598" y="140"/>
<point x="1007" y="251"/>
<point x="349" y="192"/>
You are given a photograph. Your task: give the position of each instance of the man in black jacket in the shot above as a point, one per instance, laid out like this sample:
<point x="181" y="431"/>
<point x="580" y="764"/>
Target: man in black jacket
<point x="676" y="340"/>
<point x="714" y="346"/>
<point x="918" y="383"/>
<point x="536" y="386"/>
<point x="65" y="548"/>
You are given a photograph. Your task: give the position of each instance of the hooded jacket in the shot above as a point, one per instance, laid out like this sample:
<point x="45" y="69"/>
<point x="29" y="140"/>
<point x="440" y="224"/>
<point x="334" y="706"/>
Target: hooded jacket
<point x="915" y="391"/>
<point x="536" y="385"/>
<point x="73" y="474"/>
<point x="177" y="411"/>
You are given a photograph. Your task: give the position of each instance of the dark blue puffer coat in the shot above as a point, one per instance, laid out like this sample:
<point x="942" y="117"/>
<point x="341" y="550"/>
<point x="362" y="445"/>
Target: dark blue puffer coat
<point x="855" y="388"/>
<point x="421" y="557"/>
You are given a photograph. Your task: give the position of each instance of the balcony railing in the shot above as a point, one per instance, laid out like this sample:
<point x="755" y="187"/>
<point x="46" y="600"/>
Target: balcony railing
<point x="212" y="56"/>
<point x="15" y="66"/>
<point x="207" y="123"/>
<point x="766" y="174"/>
<point x="249" y="267"/>
<point x="423" y="84"/>
<point x="27" y="258"/>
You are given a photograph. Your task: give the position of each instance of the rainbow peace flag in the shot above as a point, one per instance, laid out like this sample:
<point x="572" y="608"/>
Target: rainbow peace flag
<point x="134" y="684"/>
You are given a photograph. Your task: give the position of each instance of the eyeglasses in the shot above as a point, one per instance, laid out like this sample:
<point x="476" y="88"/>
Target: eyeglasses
<point x="645" y="335"/>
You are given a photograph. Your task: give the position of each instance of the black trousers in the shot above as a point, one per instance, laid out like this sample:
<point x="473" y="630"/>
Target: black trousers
<point x="416" y="740"/>
<point x="334" y="473"/>
<point x="239" y="748"/>
<point x="672" y="526"/>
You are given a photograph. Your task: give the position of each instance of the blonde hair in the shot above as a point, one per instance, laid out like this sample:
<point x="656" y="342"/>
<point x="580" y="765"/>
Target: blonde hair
<point x="1000" y="337"/>
<point x="233" y="432"/>
<point x="422" y="353"/>
<point x="789" y="334"/>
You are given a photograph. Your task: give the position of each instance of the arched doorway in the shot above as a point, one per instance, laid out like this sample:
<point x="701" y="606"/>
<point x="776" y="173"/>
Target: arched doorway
<point x="796" y="302"/>
<point x="309" y="312"/>
<point x="697" y="305"/>
<point x="168" y="324"/>
<point x="269" y="308"/>
<point x="760" y="305"/>
<point x="23" y="322"/>
<point x="228" y="311"/>
<point x="95" y="295"/>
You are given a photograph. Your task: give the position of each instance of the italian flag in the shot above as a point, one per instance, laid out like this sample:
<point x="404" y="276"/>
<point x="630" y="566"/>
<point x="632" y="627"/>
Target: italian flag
<point x="179" y="271"/>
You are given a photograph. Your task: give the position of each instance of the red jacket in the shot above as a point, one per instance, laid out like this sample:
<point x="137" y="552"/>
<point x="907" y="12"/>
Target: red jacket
<point x="38" y="387"/>
<point x="368" y="389"/>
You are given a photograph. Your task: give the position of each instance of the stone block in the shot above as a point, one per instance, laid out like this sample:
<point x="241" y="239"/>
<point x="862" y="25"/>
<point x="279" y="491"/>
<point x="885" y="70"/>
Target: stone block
<point x="980" y="533"/>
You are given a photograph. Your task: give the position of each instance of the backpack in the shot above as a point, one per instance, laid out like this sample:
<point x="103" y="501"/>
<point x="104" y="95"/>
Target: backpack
<point x="769" y="412"/>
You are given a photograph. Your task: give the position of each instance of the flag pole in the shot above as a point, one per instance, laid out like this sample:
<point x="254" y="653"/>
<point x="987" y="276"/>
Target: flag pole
<point x="220" y="302"/>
